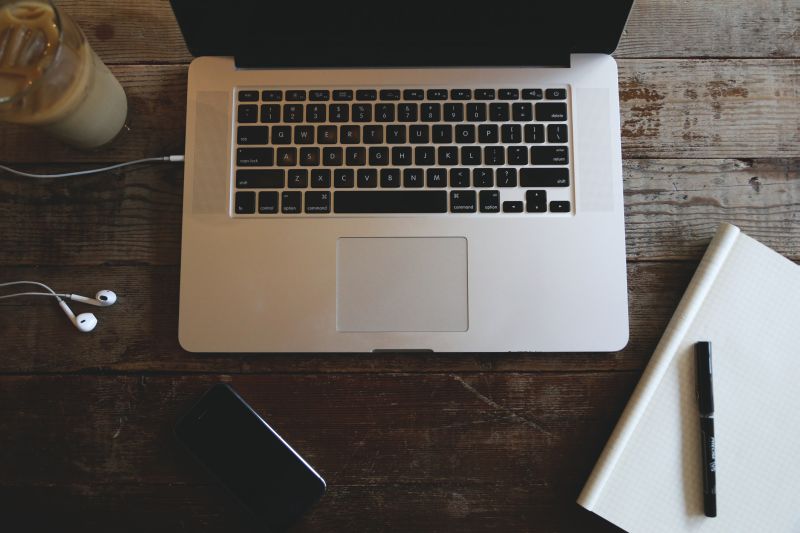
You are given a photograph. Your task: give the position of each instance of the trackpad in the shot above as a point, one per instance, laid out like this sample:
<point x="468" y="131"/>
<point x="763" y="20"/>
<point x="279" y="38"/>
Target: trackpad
<point x="401" y="284"/>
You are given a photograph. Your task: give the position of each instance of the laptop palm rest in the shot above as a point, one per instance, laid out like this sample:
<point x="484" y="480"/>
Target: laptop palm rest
<point x="401" y="284"/>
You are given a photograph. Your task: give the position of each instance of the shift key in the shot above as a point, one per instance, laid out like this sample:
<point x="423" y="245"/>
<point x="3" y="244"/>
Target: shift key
<point x="259" y="179"/>
<point x="544" y="177"/>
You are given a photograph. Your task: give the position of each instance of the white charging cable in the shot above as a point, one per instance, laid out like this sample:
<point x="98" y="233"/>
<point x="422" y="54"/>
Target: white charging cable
<point x="165" y="159"/>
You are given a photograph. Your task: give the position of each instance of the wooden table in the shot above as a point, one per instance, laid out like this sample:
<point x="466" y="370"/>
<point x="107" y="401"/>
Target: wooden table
<point x="486" y="442"/>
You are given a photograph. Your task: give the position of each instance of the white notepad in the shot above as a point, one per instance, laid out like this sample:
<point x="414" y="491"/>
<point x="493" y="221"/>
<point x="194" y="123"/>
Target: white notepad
<point x="745" y="299"/>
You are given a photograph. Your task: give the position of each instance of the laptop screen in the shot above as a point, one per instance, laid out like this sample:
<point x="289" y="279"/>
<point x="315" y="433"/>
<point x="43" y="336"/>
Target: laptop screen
<point x="405" y="33"/>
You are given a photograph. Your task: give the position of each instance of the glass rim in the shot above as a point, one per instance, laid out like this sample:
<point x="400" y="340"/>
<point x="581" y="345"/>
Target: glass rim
<point x="35" y="83"/>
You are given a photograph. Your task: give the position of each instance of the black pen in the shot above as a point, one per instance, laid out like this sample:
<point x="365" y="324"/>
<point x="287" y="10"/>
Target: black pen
<point x="705" y="402"/>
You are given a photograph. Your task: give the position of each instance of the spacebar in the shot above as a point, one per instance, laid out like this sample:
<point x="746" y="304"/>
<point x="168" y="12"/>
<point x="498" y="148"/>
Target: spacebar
<point x="390" y="202"/>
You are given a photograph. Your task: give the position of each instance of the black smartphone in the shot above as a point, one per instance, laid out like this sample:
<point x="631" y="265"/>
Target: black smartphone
<point x="271" y="479"/>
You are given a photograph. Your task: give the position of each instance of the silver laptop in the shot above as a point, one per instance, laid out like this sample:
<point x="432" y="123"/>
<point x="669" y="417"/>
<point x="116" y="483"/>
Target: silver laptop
<point x="433" y="176"/>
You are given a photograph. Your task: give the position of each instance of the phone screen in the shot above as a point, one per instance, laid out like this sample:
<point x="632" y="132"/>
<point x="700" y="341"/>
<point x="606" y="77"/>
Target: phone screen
<point x="248" y="456"/>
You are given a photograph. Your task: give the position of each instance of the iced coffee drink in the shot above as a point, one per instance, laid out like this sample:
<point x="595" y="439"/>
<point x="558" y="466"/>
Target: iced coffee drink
<point x="51" y="78"/>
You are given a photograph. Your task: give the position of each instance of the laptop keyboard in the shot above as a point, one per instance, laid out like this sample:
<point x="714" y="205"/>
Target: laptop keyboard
<point x="340" y="151"/>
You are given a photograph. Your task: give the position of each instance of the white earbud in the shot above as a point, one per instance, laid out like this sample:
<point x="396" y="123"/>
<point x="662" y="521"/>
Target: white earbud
<point x="85" y="322"/>
<point x="103" y="298"/>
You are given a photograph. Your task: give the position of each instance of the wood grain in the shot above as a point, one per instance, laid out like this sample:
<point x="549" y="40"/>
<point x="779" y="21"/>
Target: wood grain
<point x="423" y="452"/>
<point x="145" y="31"/>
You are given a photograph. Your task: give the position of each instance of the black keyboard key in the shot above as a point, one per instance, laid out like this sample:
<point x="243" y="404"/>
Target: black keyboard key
<point x="448" y="155"/>
<point x="390" y="201"/>
<point x="476" y="112"/>
<point x="424" y="156"/>
<point x="437" y="94"/>
<point x="412" y="177"/>
<point x="437" y="177"/>
<point x="304" y="134"/>
<point x="342" y="95"/>
<point x="248" y="96"/>
<point x="531" y="94"/>
<point x="259" y="179"/>
<point x="544" y="177"/>
<point x="315" y="113"/>
<point x="560" y="207"/>
<point x="293" y="112"/>
<point x="401" y="156"/>
<point x="384" y="112"/>
<point x="247" y="113"/>
<point x="522" y="112"/>
<point x="506" y="177"/>
<point x="557" y="133"/>
<point x="281" y="135"/>
<point x="395" y="134"/>
<point x="321" y="178"/>
<point x="442" y="133"/>
<point x="254" y="157"/>
<point x="362" y="112"/>
<point x="356" y="157"/>
<point x="465" y="134"/>
<point x="489" y="201"/>
<point x="287" y="157"/>
<point x="460" y="94"/>
<point x="373" y="134"/>
<point x="295" y="96"/>
<point x="462" y="202"/>
<point x="344" y="178"/>
<point x="390" y="178"/>
<point x="252" y="134"/>
<point x="482" y="177"/>
<point x="413" y="94"/>
<point x="459" y="177"/>
<point x="339" y="112"/>
<point x="509" y="94"/>
<point x="268" y="202"/>
<point x="318" y="202"/>
<point x="407" y="112"/>
<point x="378" y="156"/>
<point x="431" y="112"/>
<point x="494" y="155"/>
<point x="488" y="134"/>
<point x="298" y="178"/>
<point x="534" y="133"/>
<point x="350" y="134"/>
<point x="332" y="157"/>
<point x="245" y="203"/>
<point x="511" y="133"/>
<point x="518" y="155"/>
<point x="555" y="94"/>
<point x="549" y="155"/>
<point x="366" y="95"/>
<point x="551" y="112"/>
<point x="291" y="202"/>
<point x="390" y="94"/>
<point x="367" y="178"/>
<point x="270" y="113"/>
<point x="309" y="157"/>
<point x="325" y="134"/>
<point x="418" y="134"/>
<point x="453" y="112"/>
<point x="484" y="94"/>
<point x="512" y="207"/>
<point x="535" y="201"/>
<point x="272" y="96"/>
<point x="499" y="112"/>
<point x="319" y="95"/>
<point x="470" y="155"/>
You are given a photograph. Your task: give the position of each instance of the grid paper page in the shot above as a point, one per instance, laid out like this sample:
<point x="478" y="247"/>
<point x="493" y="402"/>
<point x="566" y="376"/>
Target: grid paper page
<point x="751" y="315"/>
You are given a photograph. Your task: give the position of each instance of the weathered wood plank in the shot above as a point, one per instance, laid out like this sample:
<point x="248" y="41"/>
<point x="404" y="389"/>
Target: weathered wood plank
<point x="670" y="108"/>
<point x="431" y="452"/>
<point x="145" y="31"/>
<point x="139" y="333"/>
<point x="673" y="207"/>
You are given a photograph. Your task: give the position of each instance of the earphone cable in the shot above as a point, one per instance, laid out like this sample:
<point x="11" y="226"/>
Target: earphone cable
<point x="165" y="159"/>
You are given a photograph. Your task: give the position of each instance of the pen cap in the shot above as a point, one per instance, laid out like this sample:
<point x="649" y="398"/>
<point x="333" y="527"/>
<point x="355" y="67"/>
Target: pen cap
<point x="705" y="395"/>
